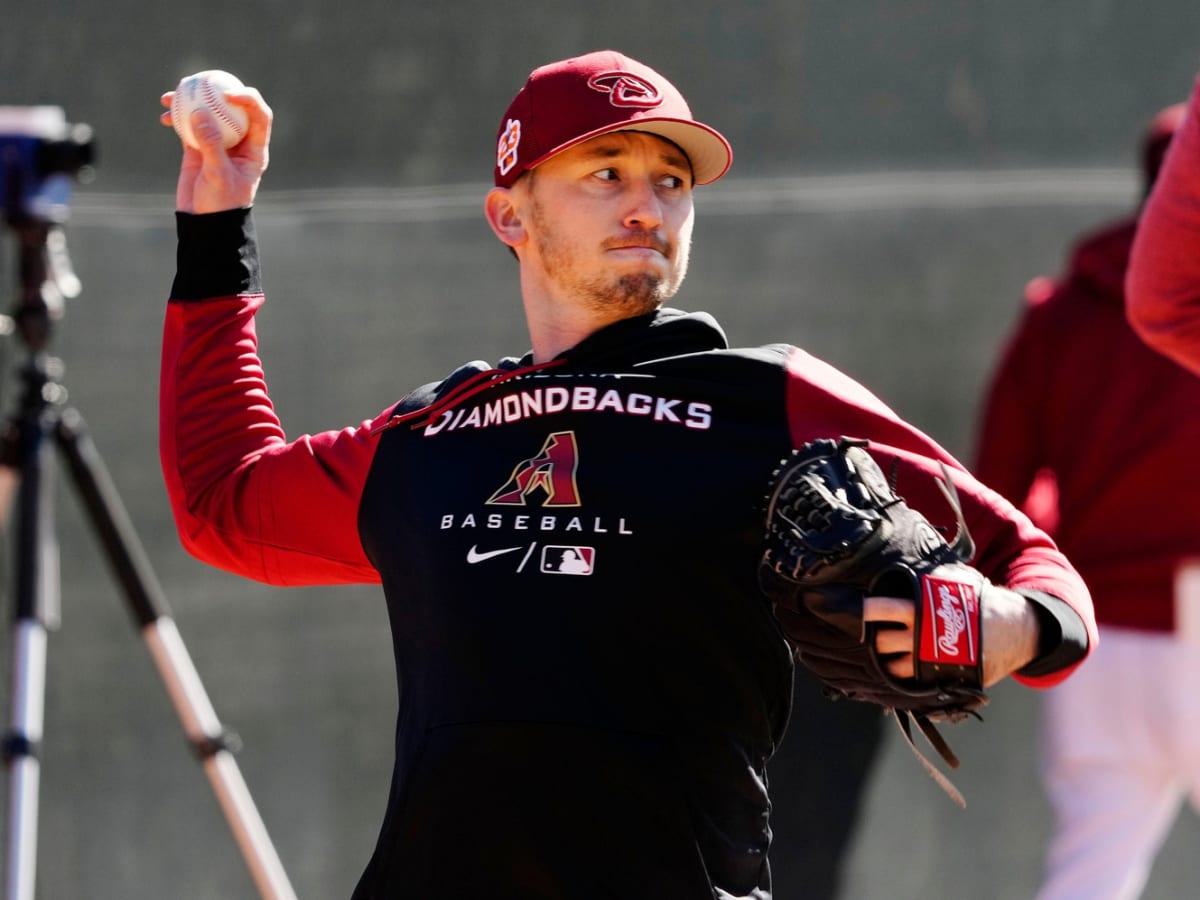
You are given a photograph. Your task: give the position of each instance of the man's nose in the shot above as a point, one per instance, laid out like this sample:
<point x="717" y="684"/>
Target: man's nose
<point x="644" y="205"/>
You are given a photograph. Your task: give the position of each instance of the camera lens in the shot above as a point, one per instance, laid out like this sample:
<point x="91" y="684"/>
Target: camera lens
<point x="67" y="155"/>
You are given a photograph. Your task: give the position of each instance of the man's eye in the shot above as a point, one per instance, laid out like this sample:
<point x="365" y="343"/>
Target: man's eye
<point x="673" y="181"/>
<point x="607" y="174"/>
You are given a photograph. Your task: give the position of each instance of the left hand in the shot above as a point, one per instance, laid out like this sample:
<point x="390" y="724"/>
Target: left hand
<point x="1010" y="632"/>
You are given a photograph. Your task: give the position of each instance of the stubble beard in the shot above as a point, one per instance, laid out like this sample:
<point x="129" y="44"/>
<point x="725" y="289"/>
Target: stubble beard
<point x="628" y="295"/>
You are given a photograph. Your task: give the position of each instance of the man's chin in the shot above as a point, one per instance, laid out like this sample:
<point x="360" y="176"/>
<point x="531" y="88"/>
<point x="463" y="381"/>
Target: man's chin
<point x="645" y="291"/>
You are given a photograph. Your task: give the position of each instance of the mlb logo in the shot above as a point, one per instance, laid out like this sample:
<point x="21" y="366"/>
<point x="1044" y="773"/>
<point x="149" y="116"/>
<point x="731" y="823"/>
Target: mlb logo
<point x="560" y="560"/>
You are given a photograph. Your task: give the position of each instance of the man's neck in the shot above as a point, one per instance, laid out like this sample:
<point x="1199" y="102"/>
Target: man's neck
<point x="555" y="327"/>
<point x="551" y="337"/>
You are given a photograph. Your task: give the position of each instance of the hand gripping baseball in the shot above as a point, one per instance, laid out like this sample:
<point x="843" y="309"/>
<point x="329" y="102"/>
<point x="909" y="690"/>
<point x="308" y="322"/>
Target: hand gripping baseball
<point x="213" y="175"/>
<point x="836" y="534"/>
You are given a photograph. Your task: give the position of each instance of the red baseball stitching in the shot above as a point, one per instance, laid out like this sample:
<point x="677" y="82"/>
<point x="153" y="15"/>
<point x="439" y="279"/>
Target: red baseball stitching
<point x="217" y="108"/>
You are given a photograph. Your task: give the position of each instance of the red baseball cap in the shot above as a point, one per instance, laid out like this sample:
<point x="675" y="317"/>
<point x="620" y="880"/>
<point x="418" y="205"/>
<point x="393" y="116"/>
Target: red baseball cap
<point x="568" y="102"/>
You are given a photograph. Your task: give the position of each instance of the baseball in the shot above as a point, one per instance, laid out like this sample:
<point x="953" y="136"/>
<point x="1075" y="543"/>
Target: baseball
<point x="207" y="89"/>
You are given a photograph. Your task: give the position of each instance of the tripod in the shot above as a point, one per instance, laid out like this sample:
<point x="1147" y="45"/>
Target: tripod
<point x="43" y="421"/>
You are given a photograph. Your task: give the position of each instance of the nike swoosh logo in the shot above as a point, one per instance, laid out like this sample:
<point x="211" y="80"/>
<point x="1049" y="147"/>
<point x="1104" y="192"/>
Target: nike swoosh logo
<point x="474" y="556"/>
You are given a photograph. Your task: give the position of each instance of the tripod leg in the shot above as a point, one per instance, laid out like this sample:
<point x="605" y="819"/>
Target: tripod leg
<point x="21" y="755"/>
<point x="37" y="609"/>
<point x="204" y="730"/>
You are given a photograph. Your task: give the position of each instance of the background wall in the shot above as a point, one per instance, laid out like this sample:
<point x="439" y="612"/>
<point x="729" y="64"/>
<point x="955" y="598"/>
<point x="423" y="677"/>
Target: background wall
<point x="902" y="169"/>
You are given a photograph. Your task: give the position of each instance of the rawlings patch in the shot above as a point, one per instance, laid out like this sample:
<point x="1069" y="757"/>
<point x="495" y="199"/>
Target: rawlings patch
<point x="949" y="622"/>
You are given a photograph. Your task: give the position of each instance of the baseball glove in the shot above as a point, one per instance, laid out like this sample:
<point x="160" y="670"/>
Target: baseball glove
<point x="836" y="533"/>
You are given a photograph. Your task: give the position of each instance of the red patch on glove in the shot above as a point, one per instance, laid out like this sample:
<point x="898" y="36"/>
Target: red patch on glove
<point x="949" y="623"/>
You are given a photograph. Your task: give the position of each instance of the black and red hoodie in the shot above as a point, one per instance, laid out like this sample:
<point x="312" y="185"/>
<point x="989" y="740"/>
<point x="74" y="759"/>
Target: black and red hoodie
<point x="590" y="682"/>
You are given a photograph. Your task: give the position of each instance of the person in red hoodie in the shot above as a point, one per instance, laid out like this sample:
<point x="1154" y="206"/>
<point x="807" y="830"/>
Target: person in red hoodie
<point x="1084" y="424"/>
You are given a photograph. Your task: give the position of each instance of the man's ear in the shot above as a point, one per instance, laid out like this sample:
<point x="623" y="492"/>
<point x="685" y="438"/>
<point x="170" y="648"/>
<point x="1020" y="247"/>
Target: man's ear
<point x="504" y="216"/>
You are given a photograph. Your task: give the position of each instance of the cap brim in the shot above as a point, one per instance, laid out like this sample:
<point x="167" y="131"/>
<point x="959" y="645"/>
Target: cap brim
<point x="707" y="150"/>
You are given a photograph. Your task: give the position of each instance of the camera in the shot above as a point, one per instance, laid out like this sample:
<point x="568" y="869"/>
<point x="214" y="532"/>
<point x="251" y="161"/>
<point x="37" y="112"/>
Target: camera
<point x="40" y="155"/>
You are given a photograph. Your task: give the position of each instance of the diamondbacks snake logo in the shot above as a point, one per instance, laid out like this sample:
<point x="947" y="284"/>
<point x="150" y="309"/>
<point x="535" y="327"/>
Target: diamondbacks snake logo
<point x="624" y="89"/>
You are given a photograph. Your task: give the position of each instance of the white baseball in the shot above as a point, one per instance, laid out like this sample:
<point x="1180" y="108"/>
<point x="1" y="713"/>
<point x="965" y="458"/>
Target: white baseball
<point x="207" y="90"/>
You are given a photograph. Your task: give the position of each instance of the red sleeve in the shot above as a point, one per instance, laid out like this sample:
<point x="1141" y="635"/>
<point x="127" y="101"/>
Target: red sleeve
<point x="246" y="499"/>
<point x="1010" y="549"/>
<point x="1163" y="283"/>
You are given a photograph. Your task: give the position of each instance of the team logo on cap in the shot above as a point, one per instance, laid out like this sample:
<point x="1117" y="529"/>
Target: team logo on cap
<point x="624" y="89"/>
<point x="506" y="151"/>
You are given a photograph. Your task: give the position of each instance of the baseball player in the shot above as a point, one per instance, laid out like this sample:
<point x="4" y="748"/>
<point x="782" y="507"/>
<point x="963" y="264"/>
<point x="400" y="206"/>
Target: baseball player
<point x="1164" y="272"/>
<point x="1082" y="422"/>
<point x="591" y="682"/>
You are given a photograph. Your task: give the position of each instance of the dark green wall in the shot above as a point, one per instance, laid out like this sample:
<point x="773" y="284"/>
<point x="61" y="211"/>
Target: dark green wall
<point x="376" y="92"/>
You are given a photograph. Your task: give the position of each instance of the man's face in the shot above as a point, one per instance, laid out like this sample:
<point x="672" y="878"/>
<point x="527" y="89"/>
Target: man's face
<point x="610" y="222"/>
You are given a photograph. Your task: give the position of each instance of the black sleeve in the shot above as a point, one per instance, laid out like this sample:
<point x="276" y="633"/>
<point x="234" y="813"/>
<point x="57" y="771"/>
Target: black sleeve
<point x="217" y="255"/>
<point x="1062" y="640"/>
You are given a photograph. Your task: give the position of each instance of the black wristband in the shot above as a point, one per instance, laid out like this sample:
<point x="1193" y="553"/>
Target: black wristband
<point x="1062" y="637"/>
<point x="217" y="255"/>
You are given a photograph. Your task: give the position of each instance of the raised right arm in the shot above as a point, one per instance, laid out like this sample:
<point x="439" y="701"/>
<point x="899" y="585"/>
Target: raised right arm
<point x="245" y="498"/>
